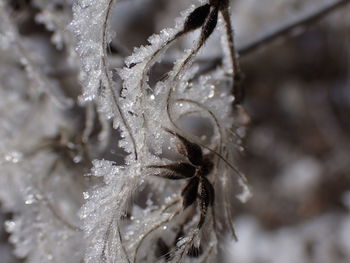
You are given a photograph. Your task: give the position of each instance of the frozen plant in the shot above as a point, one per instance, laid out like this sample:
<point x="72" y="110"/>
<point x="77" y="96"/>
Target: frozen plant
<point x="129" y="210"/>
<point x="132" y="165"/>
<point x="119" y="224"/>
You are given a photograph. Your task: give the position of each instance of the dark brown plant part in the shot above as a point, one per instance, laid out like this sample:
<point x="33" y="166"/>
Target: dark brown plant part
<point x="196" y="170"/>
<point x="189" y="193"/>
<point x="206" y="18"/>
<point x="163" y="250"/>
<point x="194" y="252"/>
<point x="283" y="32"/>
<point x="196" y="19"/>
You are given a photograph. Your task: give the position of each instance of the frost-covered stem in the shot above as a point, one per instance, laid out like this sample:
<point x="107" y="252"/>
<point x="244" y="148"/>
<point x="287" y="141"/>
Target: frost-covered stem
<point x="187" y="60"/>
<point x="166" y="220"/>
<point x="150" y="61"/>
<point x="108" y="77"/>
<point x="104" y="50"/>
<point x="104" y="250"/>
<point x="122" y="244"/>
<point x="104" y="40"/>
<point x="286" y="29"/>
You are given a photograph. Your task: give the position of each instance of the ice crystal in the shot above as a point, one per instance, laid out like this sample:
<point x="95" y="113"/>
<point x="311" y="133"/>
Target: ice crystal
<point x="90" y="26"/>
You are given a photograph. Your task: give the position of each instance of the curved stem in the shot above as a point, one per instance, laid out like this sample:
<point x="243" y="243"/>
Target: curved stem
<point x="149" y="62"/>
<point x="108" y="77"/>
<point x="155" y="227"/>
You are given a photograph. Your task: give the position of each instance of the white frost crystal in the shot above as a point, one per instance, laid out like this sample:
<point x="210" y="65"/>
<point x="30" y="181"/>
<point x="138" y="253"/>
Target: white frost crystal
<point x="90" y="21"/>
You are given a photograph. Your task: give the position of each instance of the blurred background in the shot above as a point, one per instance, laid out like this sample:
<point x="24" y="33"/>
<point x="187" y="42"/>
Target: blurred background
<point x="296" y="146"/>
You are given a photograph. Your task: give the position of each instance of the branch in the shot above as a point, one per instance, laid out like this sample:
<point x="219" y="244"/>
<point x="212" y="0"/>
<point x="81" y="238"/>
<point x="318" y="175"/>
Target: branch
<point x="270" y="37"/>
<point x="288" y="28"/>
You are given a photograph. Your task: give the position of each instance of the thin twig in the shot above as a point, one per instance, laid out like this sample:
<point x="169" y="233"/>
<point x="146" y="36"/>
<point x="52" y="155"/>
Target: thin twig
<point x="268" y="38"/>
<point x="288" y="28"/>
<point x="238" y="92"/>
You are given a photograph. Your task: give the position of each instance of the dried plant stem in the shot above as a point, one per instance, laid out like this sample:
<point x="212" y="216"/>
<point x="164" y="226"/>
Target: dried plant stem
<point x="149" y="62"/>
<point x="158" y="225"/>
<point x="228" y="216"/>
<point x="268" y="38"/>
<point x="286" y="29"/>
<point x="237" y="74"/>
<point x="106" y="71"/>
<point x="107" y="234"/>
<point x="122" y="243"/>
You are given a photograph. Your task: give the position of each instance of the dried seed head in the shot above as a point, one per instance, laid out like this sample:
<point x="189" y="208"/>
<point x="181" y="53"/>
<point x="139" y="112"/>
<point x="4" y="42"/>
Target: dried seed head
<point x="196" y="19"/>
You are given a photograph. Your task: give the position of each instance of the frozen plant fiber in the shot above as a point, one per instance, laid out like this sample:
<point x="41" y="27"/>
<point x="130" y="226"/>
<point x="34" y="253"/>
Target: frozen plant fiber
<point x="86" y="204"/>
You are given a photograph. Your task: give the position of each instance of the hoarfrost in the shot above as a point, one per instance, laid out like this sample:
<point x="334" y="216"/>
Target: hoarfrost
<point x="90" y="22"/>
